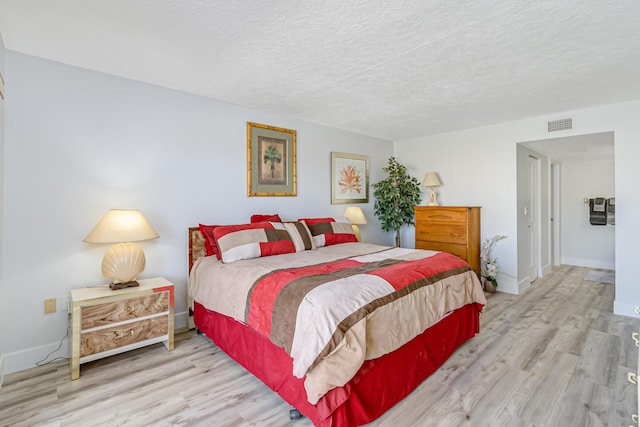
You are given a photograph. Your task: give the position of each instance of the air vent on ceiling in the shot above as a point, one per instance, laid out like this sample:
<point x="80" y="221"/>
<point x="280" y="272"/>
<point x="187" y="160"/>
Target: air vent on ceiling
<point x="558" y="125"/>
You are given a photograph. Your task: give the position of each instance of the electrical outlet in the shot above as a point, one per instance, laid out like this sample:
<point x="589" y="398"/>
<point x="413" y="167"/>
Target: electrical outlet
<point x="63" y="303"/>
<point x="50" y="305"/>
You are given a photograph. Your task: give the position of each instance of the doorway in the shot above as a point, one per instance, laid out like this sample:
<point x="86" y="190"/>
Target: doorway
<point x="570" y="170"/>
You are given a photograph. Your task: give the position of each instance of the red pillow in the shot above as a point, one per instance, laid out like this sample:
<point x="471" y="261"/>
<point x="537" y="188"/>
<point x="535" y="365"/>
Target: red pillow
<point x="245" y="241"/>
<point x="265" y="218"/>
<point x="210" y="245"/>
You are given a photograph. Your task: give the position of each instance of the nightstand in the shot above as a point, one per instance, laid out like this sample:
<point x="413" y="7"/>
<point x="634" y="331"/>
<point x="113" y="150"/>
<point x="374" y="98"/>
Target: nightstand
<point x="107" y="322"/>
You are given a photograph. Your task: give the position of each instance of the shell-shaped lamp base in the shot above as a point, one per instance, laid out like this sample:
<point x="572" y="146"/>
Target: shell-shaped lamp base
<point x="123" y="262"/>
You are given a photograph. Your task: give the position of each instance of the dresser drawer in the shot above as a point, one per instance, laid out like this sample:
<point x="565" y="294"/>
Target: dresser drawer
<point x="118" y="311"/>
<point x="442" y="214"/>
<point x="122" y="335"/>
<point x="457" y="250"/>
<point x="444" y="233"/>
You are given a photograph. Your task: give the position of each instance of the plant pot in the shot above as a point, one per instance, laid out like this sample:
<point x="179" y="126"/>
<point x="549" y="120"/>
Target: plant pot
<point x="490" y="286"/>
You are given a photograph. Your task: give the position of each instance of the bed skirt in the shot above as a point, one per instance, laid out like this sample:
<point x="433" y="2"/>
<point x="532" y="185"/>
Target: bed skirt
<point x="376" y="387"/>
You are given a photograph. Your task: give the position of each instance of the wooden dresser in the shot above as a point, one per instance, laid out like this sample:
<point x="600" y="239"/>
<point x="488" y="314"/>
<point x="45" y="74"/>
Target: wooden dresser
<point x="107" y="322"/>
<point x="453" y="229"/>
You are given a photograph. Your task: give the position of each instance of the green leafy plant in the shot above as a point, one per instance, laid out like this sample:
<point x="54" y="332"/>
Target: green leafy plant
<point x="396" y="195"/>
<point x="272" y="156"/>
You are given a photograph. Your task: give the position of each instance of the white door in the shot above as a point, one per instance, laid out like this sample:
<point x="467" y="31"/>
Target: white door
<point x="555" y="213"/>
<point x="531" y="215"/>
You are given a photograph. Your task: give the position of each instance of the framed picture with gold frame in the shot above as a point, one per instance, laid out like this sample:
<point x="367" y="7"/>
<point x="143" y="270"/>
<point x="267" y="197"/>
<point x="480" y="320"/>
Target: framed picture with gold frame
<point x="271" y="161"/>
<point x="349" y="178"/>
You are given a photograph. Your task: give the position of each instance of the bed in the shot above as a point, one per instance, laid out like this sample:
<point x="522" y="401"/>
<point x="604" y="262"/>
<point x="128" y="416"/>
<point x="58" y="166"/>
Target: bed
<point x="344" y="330"/>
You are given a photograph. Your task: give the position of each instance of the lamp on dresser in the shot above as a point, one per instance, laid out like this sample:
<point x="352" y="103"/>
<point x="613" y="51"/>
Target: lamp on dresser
<point x="356" y="216"/>
<point x="125" y="261"/>
<point x="431" y="180"/>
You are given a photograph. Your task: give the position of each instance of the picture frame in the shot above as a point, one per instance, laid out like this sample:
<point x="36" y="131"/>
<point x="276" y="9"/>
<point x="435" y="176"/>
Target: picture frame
<point x="271" y="161"/>
<point x="349" y="178"/>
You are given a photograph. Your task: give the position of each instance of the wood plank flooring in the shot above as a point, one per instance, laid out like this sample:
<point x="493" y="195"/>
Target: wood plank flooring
<point x="554" y="356"/>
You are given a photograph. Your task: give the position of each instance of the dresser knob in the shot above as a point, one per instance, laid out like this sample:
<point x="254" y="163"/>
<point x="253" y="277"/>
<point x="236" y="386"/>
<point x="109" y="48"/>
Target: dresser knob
<point x="634" y="417"/>
<point x="130" y="309"/>
<point x="632" y="377"/>
<point x="635" y="338"/>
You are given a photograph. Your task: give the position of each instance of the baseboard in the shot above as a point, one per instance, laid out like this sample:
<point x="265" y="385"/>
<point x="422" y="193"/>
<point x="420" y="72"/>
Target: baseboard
<point x="27" y="358"/>
<point x="1" y="370"/>
<point x="625" y="309"/>
<point x="591" y="263"/>
<point x="508" y="285"/>
<point x="546" y="269"/>
<point x="180" y="320"/>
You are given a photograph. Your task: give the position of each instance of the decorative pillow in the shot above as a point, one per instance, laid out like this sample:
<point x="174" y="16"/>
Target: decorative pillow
<point x="330" y="231"/>
<point x="300" y="235"/>
<point x="210" y="246"/>
<point x="255" y="240"/>
<point x="265" y="218"/>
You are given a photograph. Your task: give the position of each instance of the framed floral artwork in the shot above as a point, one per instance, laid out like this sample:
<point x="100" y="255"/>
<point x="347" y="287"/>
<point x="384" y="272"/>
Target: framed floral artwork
<point x="271" y="161"/>
<point x="349" y="178"/>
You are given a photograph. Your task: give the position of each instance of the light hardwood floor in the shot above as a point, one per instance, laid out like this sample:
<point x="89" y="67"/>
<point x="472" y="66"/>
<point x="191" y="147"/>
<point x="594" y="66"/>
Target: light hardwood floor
<point x="554" y="356"/>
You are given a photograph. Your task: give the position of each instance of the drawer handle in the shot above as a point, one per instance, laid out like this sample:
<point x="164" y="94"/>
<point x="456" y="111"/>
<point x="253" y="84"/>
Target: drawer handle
<point x="124" y="334"/>
<point x="632" y="377"/>
<point x="636" y="339"/>
<point x="634" y="417"/>
<point x="637" y="310"/>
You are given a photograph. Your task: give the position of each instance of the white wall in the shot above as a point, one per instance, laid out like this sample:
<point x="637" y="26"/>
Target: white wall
<point x="79" y="143"/>
<point x="478" y="167"/>
<point x="582" y="243"/>
<point x="2" y="53"/>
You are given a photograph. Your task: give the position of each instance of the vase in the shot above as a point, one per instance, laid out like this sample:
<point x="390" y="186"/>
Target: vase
<point x="490" y="285"/>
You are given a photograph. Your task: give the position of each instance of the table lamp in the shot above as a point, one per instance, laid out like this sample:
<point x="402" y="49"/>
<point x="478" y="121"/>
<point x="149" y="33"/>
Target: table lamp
<point x="123" y="262"/>
<point x="431" y="180"/>
<point x="356" y="216"/>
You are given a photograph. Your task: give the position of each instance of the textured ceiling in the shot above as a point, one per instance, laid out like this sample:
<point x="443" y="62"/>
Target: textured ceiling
<point x="391" y="69"/>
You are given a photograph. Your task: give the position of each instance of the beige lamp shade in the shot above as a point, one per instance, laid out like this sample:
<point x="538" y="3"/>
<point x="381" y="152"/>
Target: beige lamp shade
<point x="356" y="216"/>
<point x="431" y="180"/>
<point x="125" y="261"/>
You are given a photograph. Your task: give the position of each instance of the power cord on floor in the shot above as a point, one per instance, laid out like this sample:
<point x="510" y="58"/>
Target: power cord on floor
<point x="42" y="362"/>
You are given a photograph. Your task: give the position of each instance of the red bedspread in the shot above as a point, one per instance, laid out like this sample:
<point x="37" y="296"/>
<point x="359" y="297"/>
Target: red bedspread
<point x="377" y="386"/>
<point x="331" y="313"/>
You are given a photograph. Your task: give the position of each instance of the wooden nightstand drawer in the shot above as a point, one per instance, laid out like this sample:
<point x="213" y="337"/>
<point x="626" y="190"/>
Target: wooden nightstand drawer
<point x="119" y="311"/>
<point x="106" y="339"/>
<point x="442" y="214"/>
<point x="449" y="233"/>
<point x="457" y="250"/>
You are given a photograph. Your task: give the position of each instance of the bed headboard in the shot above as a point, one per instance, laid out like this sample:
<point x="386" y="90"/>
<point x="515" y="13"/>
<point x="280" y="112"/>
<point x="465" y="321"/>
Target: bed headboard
<point x="196" y="246"/>
<point x="195" y="243"/>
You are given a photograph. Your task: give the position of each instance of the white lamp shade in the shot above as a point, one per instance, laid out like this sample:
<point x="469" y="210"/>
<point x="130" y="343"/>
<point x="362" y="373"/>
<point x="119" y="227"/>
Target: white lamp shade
<point x="431" y="180"/>
<point x="355" y="215"/>
<point x="120" y="225"/>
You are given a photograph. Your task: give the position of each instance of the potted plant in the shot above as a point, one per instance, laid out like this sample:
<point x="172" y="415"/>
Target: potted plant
<point x="488" y="264"/>
<point x="396" y="195"/>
